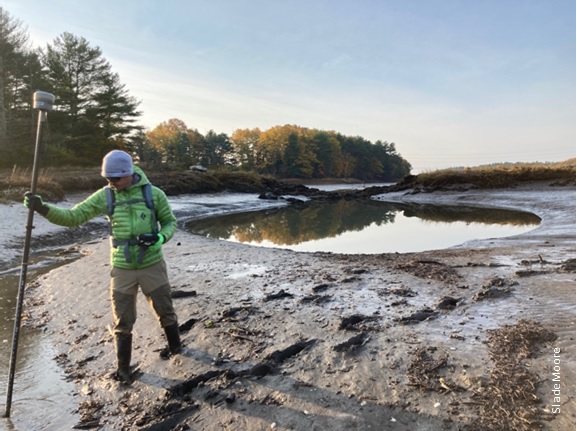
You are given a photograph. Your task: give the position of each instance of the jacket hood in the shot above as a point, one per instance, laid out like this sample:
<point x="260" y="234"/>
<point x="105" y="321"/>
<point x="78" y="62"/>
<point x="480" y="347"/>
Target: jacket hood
<point x="143" y="178"/>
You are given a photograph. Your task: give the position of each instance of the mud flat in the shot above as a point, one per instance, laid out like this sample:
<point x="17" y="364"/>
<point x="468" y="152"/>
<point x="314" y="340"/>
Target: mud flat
<point x="480" y="336"/>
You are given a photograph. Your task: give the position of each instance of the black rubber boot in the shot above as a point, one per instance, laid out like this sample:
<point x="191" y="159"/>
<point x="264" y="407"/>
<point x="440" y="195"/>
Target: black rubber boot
<point x="123" y="344"/>
<point x="173" y="338"/>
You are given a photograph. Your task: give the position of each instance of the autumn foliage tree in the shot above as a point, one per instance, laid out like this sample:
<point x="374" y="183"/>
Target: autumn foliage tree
<point x="244" y="143"/>
<point x="171" y="142"/>
<point x="287" y="151"/>
<point x="292" y="151"/>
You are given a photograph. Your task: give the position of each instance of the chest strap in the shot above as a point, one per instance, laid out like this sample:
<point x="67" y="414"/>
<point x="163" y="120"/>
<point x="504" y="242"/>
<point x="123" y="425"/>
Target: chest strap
<point x="127" y="243"/>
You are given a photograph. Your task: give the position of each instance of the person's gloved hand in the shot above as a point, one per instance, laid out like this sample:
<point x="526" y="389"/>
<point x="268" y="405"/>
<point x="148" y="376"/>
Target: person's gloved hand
<point x="151" y="240"/>
<point x="35" y="202"/>
<point x="158" y="244"/>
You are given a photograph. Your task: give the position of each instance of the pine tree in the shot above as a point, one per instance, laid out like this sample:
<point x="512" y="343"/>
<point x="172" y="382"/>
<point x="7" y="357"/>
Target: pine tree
<point x="13" y="41"/>
<point x="95" y="111"/>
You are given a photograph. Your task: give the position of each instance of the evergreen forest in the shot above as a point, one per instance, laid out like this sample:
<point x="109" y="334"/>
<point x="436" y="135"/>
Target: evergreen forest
<point x="94" y="113"/>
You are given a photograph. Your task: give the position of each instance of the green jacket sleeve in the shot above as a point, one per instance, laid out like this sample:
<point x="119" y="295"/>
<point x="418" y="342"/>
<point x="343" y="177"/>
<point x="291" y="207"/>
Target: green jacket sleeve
<point x="89" y="208"/>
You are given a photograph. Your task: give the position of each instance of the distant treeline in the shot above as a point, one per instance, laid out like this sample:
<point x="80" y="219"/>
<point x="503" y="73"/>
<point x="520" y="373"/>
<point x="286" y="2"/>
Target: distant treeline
<point x="282" y="151"/>
<point x="95" y="113"/>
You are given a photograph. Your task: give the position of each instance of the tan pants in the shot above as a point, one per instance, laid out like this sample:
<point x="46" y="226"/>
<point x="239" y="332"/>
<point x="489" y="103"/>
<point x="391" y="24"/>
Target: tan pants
<point x="153" y="281"/>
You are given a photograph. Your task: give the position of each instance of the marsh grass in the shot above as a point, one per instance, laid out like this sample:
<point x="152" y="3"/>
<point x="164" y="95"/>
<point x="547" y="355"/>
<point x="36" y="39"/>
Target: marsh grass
<point x="54" y="183"/>
<point x="497" y="176"/>
<point x="22" y="176"/>
<point x="16" y="182"/>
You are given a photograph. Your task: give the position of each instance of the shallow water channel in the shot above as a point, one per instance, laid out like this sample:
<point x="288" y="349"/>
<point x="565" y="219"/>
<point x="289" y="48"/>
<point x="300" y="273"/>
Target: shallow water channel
<point x="364" y="227"/>
<point x="42" y="399"/>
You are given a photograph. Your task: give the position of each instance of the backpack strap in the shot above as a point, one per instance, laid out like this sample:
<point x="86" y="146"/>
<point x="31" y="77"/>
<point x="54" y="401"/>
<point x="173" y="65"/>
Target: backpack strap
<point x="147" y="193"/>
<point x="110" y="204"/>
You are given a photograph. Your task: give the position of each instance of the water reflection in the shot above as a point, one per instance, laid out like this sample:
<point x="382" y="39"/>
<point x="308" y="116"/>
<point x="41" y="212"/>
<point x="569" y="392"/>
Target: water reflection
<point x="347" y="226"/>
<point x="42" y="400"/>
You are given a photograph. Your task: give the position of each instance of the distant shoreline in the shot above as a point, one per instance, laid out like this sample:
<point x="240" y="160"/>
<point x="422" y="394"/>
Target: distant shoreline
<point x="53" y="185"/>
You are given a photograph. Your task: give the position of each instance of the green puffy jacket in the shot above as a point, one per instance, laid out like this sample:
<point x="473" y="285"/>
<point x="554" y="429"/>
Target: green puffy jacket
<point x="128" y="221"/>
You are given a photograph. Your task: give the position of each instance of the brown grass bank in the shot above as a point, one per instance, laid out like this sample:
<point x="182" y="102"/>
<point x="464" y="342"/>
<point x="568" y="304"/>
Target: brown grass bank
<point x="55" y="183"/>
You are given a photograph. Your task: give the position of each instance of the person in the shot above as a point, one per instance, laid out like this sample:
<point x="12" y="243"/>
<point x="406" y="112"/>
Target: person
<point x="139" y="226"/>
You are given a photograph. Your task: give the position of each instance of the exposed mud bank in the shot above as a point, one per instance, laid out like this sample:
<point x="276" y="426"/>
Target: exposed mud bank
<point x="463" y="338"/>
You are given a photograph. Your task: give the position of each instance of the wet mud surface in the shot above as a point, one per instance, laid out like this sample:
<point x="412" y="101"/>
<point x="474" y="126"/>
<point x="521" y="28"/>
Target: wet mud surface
<point x="456" y="339"/>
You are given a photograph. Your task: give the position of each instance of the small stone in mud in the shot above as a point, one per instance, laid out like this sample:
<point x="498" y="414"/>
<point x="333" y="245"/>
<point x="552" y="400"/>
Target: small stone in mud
<point x="529" y="273"/>
<point x="233" y="312"/>
<point x="492" y="292"/>
<point x="356" y="270"/>
<point x="419" y="316"/>
<point x="568" y="265"/>
<point x="448" y="303"/>
<point x="186" y="386"/>
<point x="182" y="294"/>
<point x="279" y="295"/>
<point x="399" y="291"/>
<point x="496" y="287"/>
<point x="348" y="323"/>
<point x="261" y="370"/>
<point x="87" y="425"/>
<point x="351" y="279"/>
<point x="397" y="303"/>
<point x="352" y="343"/>
<point x="280" y="356"/>
<point x="316" y="299"/>
<point x="498" y="282"/>
<point x="320" y="287"/>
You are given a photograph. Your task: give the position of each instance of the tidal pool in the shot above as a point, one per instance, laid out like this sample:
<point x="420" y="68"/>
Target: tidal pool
<point x="364" y="227"/>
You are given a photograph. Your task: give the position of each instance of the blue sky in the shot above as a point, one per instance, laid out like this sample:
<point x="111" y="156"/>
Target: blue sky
<point x="450" y="82"/>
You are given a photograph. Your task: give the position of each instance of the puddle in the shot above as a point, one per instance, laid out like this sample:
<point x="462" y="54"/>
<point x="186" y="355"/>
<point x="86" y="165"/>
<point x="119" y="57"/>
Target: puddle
<point x="359" y="227"/>
<point x="41" y="398"/>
